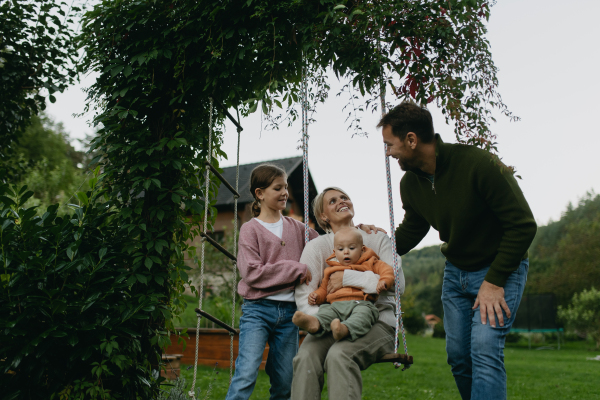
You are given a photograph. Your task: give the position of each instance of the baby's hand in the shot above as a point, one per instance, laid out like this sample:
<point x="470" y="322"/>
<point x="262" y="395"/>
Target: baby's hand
<point x="312" y="299"/>
<point x="381" y="286"/>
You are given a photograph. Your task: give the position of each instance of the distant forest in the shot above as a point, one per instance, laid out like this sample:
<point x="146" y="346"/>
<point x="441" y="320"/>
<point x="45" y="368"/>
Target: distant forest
<point x="564" y="259"/>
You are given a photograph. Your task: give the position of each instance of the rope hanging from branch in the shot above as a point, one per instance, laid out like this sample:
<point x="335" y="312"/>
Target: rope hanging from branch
<point x="204" y="230"/>
<point x="399" y="323"/>
<point x="304" y="100"/>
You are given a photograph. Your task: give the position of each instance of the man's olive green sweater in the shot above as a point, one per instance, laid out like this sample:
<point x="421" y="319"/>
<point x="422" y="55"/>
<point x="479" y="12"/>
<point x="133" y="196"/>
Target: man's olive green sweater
<point x="476" y="205"/>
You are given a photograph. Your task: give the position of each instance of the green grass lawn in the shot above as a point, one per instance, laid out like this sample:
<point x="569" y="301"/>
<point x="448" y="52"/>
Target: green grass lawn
<point x="532" y="374"/>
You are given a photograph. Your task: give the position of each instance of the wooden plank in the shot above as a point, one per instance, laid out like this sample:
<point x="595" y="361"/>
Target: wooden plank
<point x="216" y="321"/>
<point x="222" y="179"/>
<point x="217" y="246"/>
<point x="399" y="358"/>
<point x="236" y="123"/>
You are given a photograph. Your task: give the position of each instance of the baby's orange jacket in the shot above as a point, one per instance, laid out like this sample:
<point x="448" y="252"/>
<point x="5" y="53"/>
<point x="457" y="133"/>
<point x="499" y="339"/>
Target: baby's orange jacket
<point x="369" y="261"/>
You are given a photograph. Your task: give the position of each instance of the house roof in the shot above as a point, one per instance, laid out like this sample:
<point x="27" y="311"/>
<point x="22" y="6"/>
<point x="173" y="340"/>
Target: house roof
<point x="292" y="166"/>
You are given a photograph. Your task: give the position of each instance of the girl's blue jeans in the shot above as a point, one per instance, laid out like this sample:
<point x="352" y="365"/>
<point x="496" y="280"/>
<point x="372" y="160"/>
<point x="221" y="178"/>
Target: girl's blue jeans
<point x="476" y="351"/>
<point x="265" y="321"/>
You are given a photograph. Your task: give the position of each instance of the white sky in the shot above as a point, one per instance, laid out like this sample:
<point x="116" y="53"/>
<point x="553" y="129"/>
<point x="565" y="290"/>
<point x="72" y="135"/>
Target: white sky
<point x="548" y="77"/>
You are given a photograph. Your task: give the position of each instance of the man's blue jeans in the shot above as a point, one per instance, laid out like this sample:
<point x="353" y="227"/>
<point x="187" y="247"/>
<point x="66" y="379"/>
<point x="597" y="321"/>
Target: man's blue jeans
<point x="476" y="351"/>
<point x="265" y="321"/>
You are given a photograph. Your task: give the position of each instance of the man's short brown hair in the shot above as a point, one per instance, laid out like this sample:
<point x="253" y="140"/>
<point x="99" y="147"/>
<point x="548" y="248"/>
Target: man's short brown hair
<point x="409" y="117"/>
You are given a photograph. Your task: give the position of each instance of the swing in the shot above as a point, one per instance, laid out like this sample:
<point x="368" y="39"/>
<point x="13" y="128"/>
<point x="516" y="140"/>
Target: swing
<point x="396" y="358"/>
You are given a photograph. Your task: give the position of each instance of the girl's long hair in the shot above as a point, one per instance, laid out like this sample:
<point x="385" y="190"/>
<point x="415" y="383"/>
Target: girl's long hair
<point x="261" y="178"/>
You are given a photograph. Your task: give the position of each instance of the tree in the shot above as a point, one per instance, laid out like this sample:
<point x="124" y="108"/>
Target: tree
<point x="50" y="164"/>
<point x="583" y="314"/>
<point x="37" y="59"/>
<point x="565" y="254"/>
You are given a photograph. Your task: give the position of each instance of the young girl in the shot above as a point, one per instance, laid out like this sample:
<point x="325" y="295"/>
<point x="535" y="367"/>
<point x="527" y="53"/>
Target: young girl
<point x="270" y="246"/>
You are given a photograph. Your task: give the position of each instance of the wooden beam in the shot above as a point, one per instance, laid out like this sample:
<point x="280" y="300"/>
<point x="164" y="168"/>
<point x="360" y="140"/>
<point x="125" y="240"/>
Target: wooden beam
<point x="215" y="320"/>
<point x="218" y="246"/>
<point x="222" y="179"/>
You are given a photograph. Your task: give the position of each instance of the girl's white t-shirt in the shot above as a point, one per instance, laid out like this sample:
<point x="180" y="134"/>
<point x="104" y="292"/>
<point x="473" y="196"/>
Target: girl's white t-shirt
<point x="276" y="228"/>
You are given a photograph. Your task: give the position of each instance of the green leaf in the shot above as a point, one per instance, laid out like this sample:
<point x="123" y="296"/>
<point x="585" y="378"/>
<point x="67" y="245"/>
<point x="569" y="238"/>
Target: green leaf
<point x="116" y="70"/>
<point x="141" y="278"/>
<point x="102" y="252"/>
<point x="127" y="71"/>
<point x="148" y="262"/>
<point x="183" y="275"/>
<point x="82" y="196"/>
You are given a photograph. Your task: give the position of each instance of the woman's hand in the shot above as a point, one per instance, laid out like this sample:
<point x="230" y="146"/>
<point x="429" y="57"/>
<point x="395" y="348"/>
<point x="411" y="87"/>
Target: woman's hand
<point x="370" y="228"/>
<point x="336" y="281"/>
<point x="307" y="278"/>
<point x="312" y="299"/>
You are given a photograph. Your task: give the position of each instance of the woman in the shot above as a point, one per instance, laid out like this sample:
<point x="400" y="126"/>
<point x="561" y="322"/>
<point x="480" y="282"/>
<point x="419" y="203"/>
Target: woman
<point x="342" y="360"/>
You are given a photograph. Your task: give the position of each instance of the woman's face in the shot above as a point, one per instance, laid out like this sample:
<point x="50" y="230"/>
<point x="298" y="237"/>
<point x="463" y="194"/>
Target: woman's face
<point x="337" y="208"/>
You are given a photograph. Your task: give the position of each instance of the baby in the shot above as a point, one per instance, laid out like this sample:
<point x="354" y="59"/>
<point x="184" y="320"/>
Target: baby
<point x="351" y="312"/>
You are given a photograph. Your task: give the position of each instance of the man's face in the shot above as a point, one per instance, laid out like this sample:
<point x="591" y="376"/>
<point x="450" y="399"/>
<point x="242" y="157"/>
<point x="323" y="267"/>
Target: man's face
<point x="398" y="149"/>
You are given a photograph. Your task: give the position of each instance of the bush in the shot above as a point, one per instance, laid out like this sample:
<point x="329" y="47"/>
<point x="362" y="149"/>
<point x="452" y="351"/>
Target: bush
<point x="75" y="322"/>
<point x="439" y="331"/>
<point x="414" y="323"/>
<point x="513" y="337"/>
<point x="583" y="314"/>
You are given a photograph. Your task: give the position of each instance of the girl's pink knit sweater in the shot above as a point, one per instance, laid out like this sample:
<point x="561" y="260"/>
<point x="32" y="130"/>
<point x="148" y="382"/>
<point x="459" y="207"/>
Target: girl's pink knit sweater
<point x="268" y="264"/>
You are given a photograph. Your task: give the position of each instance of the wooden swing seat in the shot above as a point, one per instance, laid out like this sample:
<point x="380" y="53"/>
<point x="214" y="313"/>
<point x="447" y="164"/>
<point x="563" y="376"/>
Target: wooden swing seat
<point x="397" y="358"/>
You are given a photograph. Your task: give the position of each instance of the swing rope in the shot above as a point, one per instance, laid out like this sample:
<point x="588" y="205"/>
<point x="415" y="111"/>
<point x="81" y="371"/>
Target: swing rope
<point x="204" y="229"/>
<point x="304" y="95"/>
<point x="235" y="248"/>
<point x="205" y="238"/>
<point x="399" y="323"/>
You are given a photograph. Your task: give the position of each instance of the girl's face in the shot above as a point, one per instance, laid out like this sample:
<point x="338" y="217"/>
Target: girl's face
<point x="337" y="208"/>
<point x="276" y="195"/>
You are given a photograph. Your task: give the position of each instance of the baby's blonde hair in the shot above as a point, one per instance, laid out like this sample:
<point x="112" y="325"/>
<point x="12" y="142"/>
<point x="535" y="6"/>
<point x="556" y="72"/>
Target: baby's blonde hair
<point x="352" y="231"/>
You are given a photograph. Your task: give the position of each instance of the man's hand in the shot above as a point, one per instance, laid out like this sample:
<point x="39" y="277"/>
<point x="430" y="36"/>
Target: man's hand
<point x="312" y="299"/>
<point x="335" y="282"/>
<point x="381" y="286"/>
<point x="490" y="300"/>
<point x="307" y="278"/>
<point x="370" y="228"/>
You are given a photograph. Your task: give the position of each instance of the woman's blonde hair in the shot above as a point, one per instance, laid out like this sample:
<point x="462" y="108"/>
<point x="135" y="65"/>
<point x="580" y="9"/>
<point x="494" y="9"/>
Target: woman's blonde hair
<point x="318" y="207"/>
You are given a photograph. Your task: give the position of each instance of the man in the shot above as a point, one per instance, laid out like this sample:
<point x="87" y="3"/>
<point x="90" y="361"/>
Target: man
<point x="486" y="225"/>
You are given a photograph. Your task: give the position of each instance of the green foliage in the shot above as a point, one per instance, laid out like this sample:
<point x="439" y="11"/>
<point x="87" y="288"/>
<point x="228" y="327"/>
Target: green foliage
<point x="439" y="331"/>
<point x="50" y="165"/>
<point x="177" y="390"/>
<point x="217" y="306"/>
<point x="424" y="272"/>
<point x="583" y="314"/>
<point x="36" y="59"/>
<point x="74" y="312"/>
<point x="565" y="256"/>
